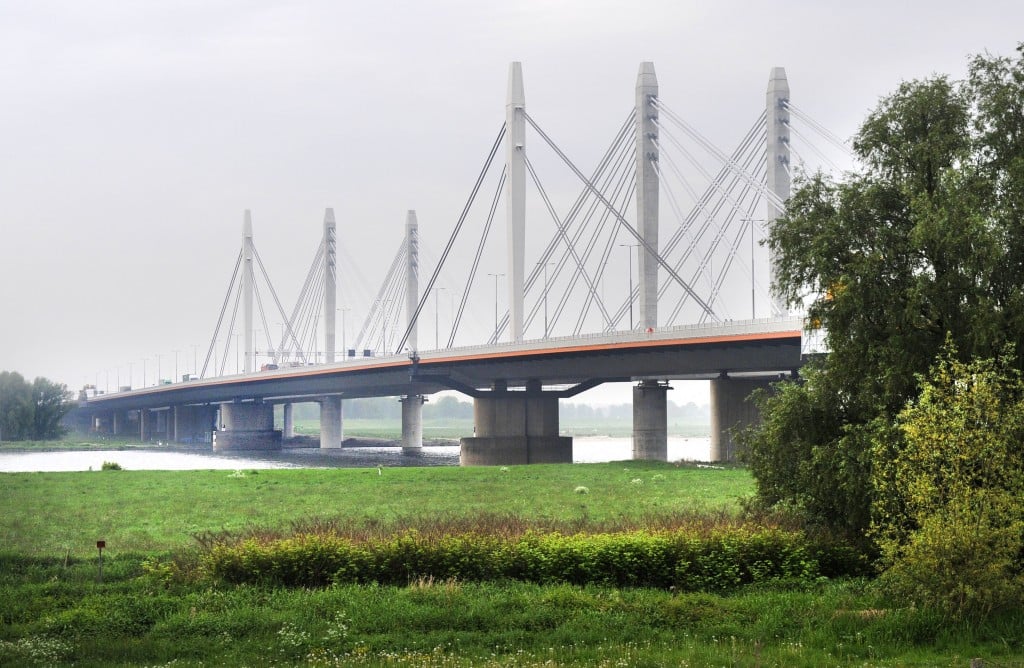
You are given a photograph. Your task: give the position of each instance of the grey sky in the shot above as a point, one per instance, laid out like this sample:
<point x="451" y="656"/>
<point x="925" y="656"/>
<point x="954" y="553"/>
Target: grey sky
<point x="134" y="134"/>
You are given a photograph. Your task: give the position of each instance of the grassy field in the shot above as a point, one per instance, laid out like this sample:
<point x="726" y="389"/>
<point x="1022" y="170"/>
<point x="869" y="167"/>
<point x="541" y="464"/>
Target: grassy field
<point x="47" y="514"/>
<point x="147" y="611"/>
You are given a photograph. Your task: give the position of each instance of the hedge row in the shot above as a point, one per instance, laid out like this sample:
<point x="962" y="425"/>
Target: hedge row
<point x="687" y="561"/>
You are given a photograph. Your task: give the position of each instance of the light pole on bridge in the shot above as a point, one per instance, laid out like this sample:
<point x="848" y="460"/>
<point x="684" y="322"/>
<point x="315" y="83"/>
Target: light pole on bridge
<point x="496" y="277"/>
<point x="629" y="253"/>
<point x="546" y="264"/>
<point x="436" y="319"/>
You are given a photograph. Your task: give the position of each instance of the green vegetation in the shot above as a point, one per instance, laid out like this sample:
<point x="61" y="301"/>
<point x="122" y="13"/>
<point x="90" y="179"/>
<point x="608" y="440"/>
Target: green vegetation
<point x="31" y="410"/>
<point x="906" y="436"/>
<point x="157" y="604"/>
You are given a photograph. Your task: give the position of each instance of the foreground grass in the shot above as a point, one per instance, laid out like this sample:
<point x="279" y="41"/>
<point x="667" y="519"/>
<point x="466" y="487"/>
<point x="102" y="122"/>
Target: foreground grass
<point x="54" y="614"/>
<point x="154" y="606"/>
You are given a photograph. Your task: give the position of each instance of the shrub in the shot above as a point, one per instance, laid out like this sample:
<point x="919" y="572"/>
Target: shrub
<point x="692" y="561"/>
<point x="110" y="466"/>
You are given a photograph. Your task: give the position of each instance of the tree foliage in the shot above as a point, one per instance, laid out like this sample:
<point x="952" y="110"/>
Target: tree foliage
<point x="949" y="514"/>
<point x="924" y="242"/>
<point x="31" y="410"/>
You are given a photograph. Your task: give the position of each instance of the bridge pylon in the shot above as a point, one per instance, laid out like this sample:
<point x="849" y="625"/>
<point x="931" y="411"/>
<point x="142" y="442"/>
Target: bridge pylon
<point x="515" y="197"/>
<point x="412" y="404"/>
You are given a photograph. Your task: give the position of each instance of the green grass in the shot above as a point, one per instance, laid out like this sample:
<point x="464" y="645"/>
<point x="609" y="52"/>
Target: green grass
<point x="143" y="511"/>
<point x="152" y="608"/>
<point x="76" y="442"/>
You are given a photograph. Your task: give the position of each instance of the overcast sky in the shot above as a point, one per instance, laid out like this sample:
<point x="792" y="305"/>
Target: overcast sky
<point x="134" y="134"/>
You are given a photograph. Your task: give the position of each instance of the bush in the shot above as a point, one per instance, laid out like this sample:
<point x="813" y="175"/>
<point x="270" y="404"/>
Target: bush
<point x="949" y="506"/>
<point x="689" y="561"/>
<point x="110" y="466"/>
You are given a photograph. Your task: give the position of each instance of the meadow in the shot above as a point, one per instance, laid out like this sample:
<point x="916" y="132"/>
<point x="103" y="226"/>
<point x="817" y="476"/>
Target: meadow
<point x="158" y="604"/>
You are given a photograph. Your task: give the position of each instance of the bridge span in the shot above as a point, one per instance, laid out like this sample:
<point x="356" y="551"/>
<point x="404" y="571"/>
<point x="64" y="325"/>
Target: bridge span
<point x="515" y="387"/>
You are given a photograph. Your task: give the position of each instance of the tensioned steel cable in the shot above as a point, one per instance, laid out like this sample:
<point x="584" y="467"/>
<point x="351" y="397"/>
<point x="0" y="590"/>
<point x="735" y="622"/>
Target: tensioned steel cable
<point x="454" y="235"/>
<point x="621" y="219"/>
<point x="830" y="136"/>
<point x="813" y="148"/>
<point x="220" y="318"/>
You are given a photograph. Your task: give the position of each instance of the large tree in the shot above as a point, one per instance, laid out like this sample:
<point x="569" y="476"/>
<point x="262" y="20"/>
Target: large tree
<point x="925" y="242"/>
<point x="31" y="410"/>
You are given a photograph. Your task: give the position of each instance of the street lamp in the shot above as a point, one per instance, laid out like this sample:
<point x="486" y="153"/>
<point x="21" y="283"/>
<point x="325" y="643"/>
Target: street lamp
<point x="143" y="372"/>
<point x="158" y="374"/>
<point x="496" y="277"/>
<point x="629" y="253"/>
<point x="344" y="346"/>
<point x="176" y="376"/>
<point x="546" y="264"/>
<point x="436" y="329"/>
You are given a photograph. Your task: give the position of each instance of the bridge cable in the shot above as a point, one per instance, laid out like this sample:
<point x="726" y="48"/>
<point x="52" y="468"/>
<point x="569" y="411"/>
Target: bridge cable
<point x="475" y="266"/>
<point x="454" y="234"/>
<point x="231" y="330"/>
<point x="813" y="148"/>
<point x="820" y="129"/>
<point x="220" y="318"/>
<point x="622" y="221"/>
<point x="371" y="315"/>
<point x="713" y="150"/>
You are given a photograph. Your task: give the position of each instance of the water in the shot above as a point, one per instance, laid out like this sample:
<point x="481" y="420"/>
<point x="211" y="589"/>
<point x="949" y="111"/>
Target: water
<point x="586" y="449"/>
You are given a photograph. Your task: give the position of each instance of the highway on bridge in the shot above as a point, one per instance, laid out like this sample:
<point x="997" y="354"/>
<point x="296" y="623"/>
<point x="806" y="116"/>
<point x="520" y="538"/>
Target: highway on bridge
<point x="734" y="348"/>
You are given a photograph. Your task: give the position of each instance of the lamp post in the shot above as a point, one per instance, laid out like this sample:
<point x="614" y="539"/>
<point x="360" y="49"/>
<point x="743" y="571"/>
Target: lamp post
<point x="496" y="277"/>
<point x="629" y="252"/>
<point x="131" y="375"/>
<point x="195" y="359"/>
<point x="158" y="374"/>
<point x="176" y="376"/>
<point x="546" y="298"/>
<point x="344" y="346"/>
<point x="143" y="372"/>
<point x="436" y="320"/>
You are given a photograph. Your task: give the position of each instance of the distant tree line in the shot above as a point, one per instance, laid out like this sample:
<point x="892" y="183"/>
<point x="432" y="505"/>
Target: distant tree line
<point x="31" y="411"/>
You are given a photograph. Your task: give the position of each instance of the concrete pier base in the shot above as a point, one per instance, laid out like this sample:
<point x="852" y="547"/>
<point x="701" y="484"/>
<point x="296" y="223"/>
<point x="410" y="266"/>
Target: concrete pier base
<point x="117" y="423"/>
<point x="331" y="427"/>
<point x="287" y="421"/>
<point x="412" y="423"/>
<point x="731" y="411"/>
<point x="650" y="420"/>
<point x="515" y="428"/>
<point x="246" y="426"/>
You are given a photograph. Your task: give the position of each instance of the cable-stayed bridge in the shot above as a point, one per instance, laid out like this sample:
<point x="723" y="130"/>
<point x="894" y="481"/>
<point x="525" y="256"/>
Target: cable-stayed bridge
<point x="693" y="303"/>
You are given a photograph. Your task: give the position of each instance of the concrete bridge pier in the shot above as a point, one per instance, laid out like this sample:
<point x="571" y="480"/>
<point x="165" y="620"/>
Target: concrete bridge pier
<point x="650" y="420"/>
<point x="288" y="421"/>
<point x="412" y="423"/>
<point x="731" y="411"/>
<point x="145" y="425"/>
<point x="246" y="426"/>
<point x="516" y="428"/>
<point x="331" y="426"/>
<point x="116" y="423"/>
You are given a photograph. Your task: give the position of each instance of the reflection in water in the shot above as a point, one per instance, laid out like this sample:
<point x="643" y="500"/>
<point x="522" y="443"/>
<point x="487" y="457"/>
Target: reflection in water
<point x="585" y="449"/>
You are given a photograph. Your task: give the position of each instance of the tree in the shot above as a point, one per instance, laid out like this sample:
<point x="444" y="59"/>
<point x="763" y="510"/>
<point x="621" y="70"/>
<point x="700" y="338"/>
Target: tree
<point x="925" y="242"/>
<point x="949" y="514"/>
<point x="31" y="411"/>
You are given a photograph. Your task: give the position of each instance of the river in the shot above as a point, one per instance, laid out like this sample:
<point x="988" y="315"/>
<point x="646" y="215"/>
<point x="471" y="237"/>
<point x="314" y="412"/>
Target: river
<point x="586" y="449"/>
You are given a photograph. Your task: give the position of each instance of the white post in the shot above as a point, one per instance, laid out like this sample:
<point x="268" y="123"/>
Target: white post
<point x="777" y="160"/>
<point x="247" y="289"/>
<point x="647" y="191"/>
<point x="330" y="283"/>
<point x="412" y="268"/>
<point x="515" y="196"/>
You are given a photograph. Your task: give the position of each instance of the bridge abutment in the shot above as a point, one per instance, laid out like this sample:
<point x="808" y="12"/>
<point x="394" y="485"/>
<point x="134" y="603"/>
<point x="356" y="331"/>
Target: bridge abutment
<point x="650" y="420"/>
<point x="246" y="426"/>
<point x="331" y="426"/>
<point x="731" y="411"/>
<point x="515" y="428"/>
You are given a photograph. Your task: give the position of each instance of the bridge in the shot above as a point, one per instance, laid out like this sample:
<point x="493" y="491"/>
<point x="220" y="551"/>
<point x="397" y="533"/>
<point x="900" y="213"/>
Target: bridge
<point x="516" y="383"/>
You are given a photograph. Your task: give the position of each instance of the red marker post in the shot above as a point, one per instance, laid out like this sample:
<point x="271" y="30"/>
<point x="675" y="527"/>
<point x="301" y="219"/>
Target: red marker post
<point x="100" y="544"/>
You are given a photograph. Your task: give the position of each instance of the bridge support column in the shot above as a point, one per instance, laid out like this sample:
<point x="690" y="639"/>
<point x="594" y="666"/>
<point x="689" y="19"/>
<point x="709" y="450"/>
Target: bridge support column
<point x="117" y="423"/>
<point x="288" y="422"/>
<point x="246" y="426"/>
<point x="145" y="425"/>
<point x="516" y="428"/>
<point x="412" y="423"/>
<point x="731" y="411"/>
<point x="331" y="427"/>
<point x="650" y="420"/>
